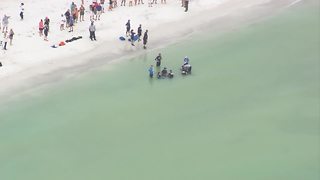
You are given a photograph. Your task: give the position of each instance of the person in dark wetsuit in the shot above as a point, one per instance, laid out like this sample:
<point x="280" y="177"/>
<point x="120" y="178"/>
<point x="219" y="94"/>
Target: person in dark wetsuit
<point x="139" y="33"/>
<point x="186" y="5"/>
<point x="145" y="39"/>
<point x="132" y="33"/>
<point x="21" y="10"/>
<point x="170" y="74"/>
<point x="128" y="27"/>
<point x="67" y="14"/>
<point x="164" y="72"/>
<point x="158" y="60"/>
<point x="159" y="75"/>
<point x="47" y="22"/>
<point x="46" y="31"/>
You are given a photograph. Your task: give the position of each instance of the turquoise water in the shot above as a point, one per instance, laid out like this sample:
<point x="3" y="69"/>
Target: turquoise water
<point x="249" y="111"/>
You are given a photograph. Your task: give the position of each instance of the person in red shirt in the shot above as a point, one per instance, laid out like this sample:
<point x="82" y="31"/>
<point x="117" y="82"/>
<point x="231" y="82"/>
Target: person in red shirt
<point x="41" y="27"/>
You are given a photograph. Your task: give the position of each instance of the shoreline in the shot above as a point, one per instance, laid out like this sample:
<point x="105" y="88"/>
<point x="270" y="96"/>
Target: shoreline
<point x="222" y="22"/>
<point x="252" y="98"/>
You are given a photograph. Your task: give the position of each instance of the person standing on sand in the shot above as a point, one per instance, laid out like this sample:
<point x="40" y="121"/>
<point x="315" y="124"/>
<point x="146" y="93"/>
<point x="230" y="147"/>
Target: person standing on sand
<point x="47" y="23"/>
<point x="132" y="33"/>
<point x="62" y="22"/>
<point x="186" y="5"/>
<point x="5" y="41"/>
<point x="46" y="32"/>
<point x="123" y="2"/>
<point x="71" y="24"/>
<point x="182" y="3"/>
<point x="139" y="33"/>
<point x="99" y="11"/>
<point x="91" y="12"/>
<point x="5" y="23"/>
<point x="95" y="11"/>
<point x="110" y="5"/>
<point x="154" y="2"/>
<point x="92" y="30"/>
<point x="82" y="9"/>
<point x="102" y="3"/>
<point x="67" y="14"/>
<point x="76" y="15"/>
<point x="140" y="1"/>
<point x="21" y="11"/>
<point x="72" y="7"/>
<point x="128" y="27"/>
<point x="115" y="3"/>
<point x="150" y="3"/>
<point x="11" y="33"/>
<point x="41" y="27"/>
<point x="145" y="39"/>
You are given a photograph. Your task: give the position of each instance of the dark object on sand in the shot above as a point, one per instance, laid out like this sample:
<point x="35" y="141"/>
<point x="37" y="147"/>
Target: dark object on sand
<point x="73" y="39"/>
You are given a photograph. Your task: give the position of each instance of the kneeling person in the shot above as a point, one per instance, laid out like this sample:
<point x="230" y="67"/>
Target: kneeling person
<point x="170" y="75"/>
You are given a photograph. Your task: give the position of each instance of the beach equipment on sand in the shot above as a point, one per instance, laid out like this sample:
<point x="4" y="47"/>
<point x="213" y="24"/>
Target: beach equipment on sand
<point x="62" y="43"/>
<point x="73" y="39"/>
<point x="135" y="38"/>
<point x="122" y="38"/>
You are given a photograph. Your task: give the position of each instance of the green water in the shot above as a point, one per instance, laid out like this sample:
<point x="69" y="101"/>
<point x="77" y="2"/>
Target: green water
<point x="250" y="111"/>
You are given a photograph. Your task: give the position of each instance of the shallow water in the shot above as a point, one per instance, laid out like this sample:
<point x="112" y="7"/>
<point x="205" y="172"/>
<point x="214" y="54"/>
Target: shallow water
<point x="249" y="111"/>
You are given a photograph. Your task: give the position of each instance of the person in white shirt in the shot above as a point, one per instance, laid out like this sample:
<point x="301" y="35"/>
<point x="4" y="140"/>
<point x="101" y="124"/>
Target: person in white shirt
<point x="5" y="23"/>
<point x="186" y="60"/>
<point x="62" y="22"/>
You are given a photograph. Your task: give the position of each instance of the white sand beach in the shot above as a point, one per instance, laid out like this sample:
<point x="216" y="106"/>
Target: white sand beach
<point x="30" y="57"/>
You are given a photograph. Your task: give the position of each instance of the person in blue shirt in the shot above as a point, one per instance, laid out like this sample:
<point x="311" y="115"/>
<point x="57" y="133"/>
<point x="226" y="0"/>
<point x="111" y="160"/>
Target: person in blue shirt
<point x="151" y="71"/>
<point x="71" y="24"/>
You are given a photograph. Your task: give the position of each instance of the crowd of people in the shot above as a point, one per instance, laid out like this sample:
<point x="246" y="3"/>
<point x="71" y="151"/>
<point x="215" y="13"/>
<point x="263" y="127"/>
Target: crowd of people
<point x="75" y="14"/>
<point x="133" y="36"/>
<point x="6" y="33"/>
<point x="164" y="73"/>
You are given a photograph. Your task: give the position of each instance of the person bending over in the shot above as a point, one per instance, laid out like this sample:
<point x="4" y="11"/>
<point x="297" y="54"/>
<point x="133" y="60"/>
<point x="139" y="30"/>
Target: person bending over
<point x="158" y="60"/>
